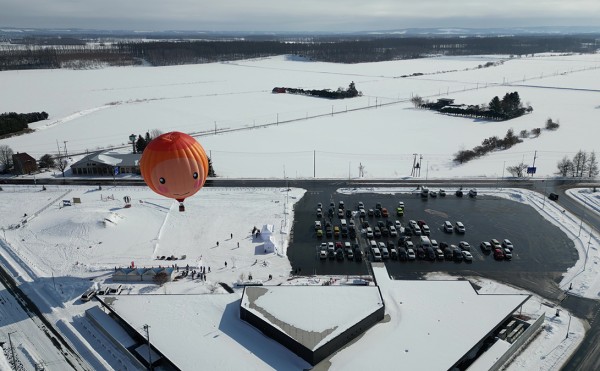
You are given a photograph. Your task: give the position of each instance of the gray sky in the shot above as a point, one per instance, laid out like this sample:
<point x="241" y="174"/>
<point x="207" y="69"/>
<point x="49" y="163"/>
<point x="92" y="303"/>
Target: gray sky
<point x="295" y="15"/>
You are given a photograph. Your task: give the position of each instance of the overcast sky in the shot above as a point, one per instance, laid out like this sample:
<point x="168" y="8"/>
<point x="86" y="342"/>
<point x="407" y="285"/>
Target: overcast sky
<point x="295" y="15"/>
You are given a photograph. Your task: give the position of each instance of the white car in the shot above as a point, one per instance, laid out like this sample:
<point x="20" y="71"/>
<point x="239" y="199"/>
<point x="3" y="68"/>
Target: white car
<point x="467" y="256"/>
<point x="486" y="246"/>
<point x="411" y="254"/>
<point x="369" y="232"/>
<point x="460" y="228"/>
<point x="464" y="245"/>
<point x="507" y="244"/>
<point x="393" y="231"/>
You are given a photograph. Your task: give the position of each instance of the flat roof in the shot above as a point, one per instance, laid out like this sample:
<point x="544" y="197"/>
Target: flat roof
<point x="448" y="316"/>
<point x="312" y="315"/>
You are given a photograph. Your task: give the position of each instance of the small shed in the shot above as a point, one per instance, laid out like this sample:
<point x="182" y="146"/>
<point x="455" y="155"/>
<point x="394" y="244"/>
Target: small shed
<point x="269" y="246"/>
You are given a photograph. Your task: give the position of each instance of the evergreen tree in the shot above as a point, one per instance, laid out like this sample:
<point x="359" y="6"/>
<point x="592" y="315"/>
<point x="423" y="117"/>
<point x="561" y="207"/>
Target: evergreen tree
<point x="140" y="144"/>
<point x="46" y="161"/>
<point x="147" y="138"/>
<point x="211" y="170"/>
<point x="495" y="105"/>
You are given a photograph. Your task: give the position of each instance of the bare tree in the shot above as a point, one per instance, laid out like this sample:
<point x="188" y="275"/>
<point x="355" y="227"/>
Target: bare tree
<point x="524" y="134"/>
<point x="417" y="101"/>
<point x="564" y="166"/>
<point x="517" y="170"/>
<point x="592" y="167"/>
<point x="61" y="164"/>
<point x="6" y="154"/>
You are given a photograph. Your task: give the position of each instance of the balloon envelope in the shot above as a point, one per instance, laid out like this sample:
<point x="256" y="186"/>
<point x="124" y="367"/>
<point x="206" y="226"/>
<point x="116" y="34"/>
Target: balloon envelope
<point x="174" y="165"/>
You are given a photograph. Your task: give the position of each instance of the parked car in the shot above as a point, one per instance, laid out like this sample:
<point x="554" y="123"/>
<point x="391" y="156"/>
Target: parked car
<point x="376" y="254"/>
<point x="339" y="254"/>
<point x="397" y="224"/>
<point x="361" y="205"/>
<point x="464" y="245"/>
<point x="442" y="192"/>
<point x="507" y="253"/>
<point x="448" y="228"/>
<point x="507" y="244"/>
<point x="485" y="246"/>
<point x="411" y="254"/>
<point x="340" y="213"/>
<point x="378" y="206"/>
<point x="393" y="231"/>
<point x="433" y="194"/>
<point x="467" y="256"/>
<point x="420" y="253"/>
<point x="553" y="196"/>
<point x="448" y="253"/>
<point x="460" y="228"/>
<point x="409" y="245"/>
<point x="439" y="253"/>
<point x="434" y="244"/>
<point x="336" y="231"/>
<point x="384" y="212"/>
<point x="323" y="254"/>
<point x="371" y="212"/>
<point x="402" y="254"/>
<point x="319" y="205"/>
<point x="377" y="232"/>
<point x="457" y="253"/>
<point x="498" y="254"/>
<point x="425" y="229"/>
<point x="377" y="213"/>
<point x="385" y="232"/>
<point x="362" y="213"/>
<point x="369" y="232"/>
<point x="401" y="204"/>
<point x="348" y="213"/>
<point x="472" y="192"/>
<point x="495" y="243"/>
<point x="459" y="193"/>
<point x="400" y="211"/>
<point x="341" y="205"/>
<point x="318" y="224"/>
<point x="319" y="233"/>
<point x="357" y="254"/>
<point x="319" y="213"/>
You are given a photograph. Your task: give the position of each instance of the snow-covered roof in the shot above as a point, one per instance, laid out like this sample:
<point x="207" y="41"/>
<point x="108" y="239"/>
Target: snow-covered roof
<point x="449" y="317"/>
<point x="204" y="331"/>
<point x="312" y="315"/>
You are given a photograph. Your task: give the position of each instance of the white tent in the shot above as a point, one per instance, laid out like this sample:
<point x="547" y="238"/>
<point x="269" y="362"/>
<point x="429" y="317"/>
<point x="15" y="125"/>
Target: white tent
<point x="266" y="232"/>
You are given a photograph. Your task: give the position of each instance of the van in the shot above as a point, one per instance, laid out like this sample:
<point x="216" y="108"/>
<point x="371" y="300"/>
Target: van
<point x="448" y="227"/>
<point x="425" y="242"/>
<point x="376" y="254"/>
<point x="88" y="295"/>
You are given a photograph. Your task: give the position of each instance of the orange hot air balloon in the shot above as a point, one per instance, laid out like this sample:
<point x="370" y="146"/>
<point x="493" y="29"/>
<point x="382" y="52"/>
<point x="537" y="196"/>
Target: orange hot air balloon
<point x="174" y="165"/>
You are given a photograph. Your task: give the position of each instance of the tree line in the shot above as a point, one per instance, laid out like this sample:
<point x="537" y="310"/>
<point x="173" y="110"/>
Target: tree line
<point x="507" y="108"/>
<point x="583" y="164"/>
<point x="340" y="93"/>
<point x="337" y="49"/>
<point x="487" y="145"/>
<point x="12" y="122"/>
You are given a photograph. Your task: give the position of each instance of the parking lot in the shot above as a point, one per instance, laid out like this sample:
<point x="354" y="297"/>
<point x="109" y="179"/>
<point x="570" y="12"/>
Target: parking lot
<point x="539" y="247"/>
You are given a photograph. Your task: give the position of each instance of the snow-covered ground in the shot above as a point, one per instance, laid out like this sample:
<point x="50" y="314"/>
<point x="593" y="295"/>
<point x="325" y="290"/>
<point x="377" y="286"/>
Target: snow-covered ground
<point x="55" y="253"/>
<point x="113" y="103"/>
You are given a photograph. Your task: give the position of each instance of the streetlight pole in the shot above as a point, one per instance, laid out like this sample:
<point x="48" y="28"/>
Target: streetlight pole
<point x="147" y="328"/>
<point x="544" y="196"/>
<point x="12" y="350"/>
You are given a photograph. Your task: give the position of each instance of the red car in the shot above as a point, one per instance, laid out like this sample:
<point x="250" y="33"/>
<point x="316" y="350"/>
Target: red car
<point x="338" y="245"/>
<point x="498" y="254"/>
<point x="421" y="223"/>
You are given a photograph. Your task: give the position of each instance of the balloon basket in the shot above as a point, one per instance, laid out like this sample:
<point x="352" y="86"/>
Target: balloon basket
<point x="181" y="207"/>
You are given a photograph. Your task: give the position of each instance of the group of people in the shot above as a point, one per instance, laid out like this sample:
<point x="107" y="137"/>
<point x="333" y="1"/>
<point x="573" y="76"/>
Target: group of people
<point x="201" y="273"/>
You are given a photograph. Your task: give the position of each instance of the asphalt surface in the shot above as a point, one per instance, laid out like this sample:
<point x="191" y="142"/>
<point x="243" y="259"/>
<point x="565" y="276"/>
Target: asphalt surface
<point x="542" y="251"/>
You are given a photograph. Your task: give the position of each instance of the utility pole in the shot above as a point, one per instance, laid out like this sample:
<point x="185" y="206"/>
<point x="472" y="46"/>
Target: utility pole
<point x="420" y="162"/>
<point x="147" y="328"/>
<point x="314" y="164"/>
<point x="414" y="165"/>
<point x="534" y="157"/>
<point x="66" y="153"/>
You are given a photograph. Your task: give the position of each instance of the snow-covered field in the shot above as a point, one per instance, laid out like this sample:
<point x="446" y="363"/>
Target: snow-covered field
<point x="59" y="252"/>
<point x="112" y="103"/>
